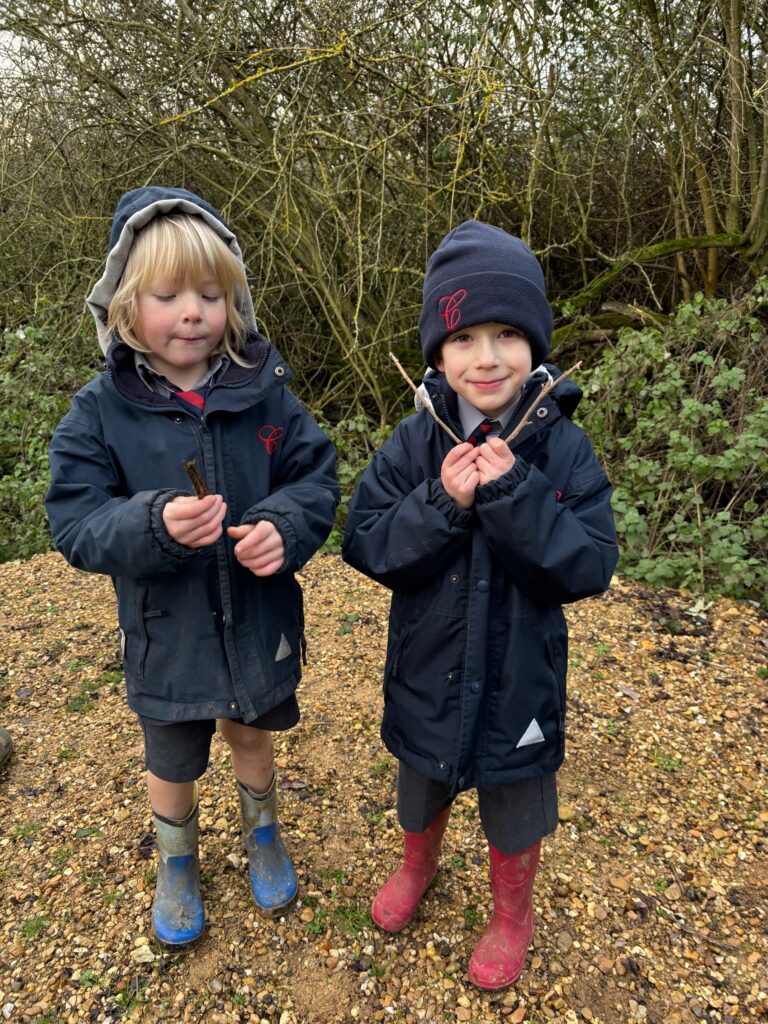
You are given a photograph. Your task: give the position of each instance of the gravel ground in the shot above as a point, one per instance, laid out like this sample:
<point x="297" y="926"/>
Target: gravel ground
<point x="651" y="899"/>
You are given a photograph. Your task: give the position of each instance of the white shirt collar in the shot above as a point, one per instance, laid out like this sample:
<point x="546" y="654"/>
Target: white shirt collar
<point x="471" y="417"/>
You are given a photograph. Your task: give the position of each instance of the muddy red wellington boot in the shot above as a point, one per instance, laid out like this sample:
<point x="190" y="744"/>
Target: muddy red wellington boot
<point x="499" y="957"/>
<point x="396" y="901"/>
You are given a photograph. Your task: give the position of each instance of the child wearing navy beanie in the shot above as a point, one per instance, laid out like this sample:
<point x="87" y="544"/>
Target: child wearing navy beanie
<point x="481" y="273"/>
<point x="481" y="543"/>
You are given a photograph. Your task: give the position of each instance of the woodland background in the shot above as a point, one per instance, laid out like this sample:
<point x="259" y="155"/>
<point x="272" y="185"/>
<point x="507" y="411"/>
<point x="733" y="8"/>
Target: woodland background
<point x="627" y="142"/>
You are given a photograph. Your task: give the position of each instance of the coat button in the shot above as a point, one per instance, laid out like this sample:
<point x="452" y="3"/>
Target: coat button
<point x="279" y="371"/>
<point x="542" y="413"/>
<point x="475" y="687"/>
<point x="482" y="586"/>
<point x="233" y="706"/>
<point x="442" y="766"/>
<point x="454" y="578"/>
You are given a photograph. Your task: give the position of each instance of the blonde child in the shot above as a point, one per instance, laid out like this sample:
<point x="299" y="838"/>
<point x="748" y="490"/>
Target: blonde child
<point x="210" y="614"/>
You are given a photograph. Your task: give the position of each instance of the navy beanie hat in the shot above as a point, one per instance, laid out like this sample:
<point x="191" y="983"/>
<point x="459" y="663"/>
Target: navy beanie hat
<point x="481" y="274"/>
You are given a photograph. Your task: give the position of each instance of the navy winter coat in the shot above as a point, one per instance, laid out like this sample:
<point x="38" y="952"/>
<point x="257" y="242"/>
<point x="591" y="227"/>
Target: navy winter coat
<point x="474" y="685"/>
<point x="201" y="636"/>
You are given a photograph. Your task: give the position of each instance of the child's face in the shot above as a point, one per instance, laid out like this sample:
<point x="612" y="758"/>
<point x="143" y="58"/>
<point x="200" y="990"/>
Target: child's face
<point x="181" y="324"/>
<point x="487" y="364"/>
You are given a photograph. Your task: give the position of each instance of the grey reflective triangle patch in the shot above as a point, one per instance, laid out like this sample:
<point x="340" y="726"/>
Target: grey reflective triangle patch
<point x="284" y="649"/>
<point x="532" y="734"/>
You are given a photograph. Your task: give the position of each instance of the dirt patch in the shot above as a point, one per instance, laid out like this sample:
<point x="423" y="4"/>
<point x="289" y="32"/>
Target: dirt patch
<point x="320" y="985"/>
<point x="651" y="898"/>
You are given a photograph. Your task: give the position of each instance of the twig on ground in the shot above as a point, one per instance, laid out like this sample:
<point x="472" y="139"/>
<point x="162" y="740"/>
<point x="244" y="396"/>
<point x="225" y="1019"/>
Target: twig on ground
<point x="712" y="940"/>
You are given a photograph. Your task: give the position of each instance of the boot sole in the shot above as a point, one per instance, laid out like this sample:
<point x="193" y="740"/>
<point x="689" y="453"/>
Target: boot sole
<point x="391" y="931"/>
<point x="494" y="988"/>
<point x="275" y="911"/>
<point x="177" y="947"/>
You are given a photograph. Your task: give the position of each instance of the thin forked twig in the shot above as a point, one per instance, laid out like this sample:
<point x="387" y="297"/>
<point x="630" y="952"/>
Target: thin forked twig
<point x="427" y="403"/>
<point x="545" y="389"/>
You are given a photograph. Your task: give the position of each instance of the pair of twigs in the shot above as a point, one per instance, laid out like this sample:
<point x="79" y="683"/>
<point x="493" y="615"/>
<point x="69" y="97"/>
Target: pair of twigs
<point x="545" y="389"/>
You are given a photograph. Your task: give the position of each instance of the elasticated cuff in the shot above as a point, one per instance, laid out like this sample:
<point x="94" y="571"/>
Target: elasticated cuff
<point x="160" y="534"/>
<point x="504" y="485"/>
<point x="460" y="518"/>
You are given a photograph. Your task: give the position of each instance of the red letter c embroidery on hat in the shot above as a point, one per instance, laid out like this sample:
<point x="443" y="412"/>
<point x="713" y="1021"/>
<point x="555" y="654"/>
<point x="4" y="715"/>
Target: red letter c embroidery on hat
<point x="270" y="436"/>
<point x="450" y="312"/>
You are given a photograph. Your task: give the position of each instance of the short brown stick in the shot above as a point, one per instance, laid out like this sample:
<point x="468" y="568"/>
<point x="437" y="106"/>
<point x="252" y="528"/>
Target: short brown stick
<point x="198" y="484"/>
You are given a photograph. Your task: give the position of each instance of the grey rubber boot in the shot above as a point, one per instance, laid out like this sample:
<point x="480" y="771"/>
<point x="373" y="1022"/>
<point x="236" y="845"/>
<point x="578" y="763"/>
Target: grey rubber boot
<point x="273" y="880"/>
<point x="177" y="913"/>
<point x="6" y="746"/>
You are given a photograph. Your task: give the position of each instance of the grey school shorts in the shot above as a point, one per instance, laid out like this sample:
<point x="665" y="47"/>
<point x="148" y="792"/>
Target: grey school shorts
<point x="179" y="751"/>
<point x="513" y="817"/>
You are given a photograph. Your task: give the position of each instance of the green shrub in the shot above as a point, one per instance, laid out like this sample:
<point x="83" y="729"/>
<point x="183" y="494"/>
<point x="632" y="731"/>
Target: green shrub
<point x="37" y="381"/>
<point x="679" y="415"/>
<point x="356" y="440"/>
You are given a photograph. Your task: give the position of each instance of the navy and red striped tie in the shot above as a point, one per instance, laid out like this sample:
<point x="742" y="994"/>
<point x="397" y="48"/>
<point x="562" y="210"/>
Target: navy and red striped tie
<point x="193" y="398"/>
<point x="481" y="432"/>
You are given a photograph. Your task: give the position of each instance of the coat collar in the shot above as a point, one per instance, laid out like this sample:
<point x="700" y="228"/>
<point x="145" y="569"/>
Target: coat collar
<point x="237" y="387"/>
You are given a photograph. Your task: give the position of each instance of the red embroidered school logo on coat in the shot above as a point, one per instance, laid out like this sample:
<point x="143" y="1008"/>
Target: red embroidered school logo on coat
<point x="270" y="436"/>
<point x="448" y="308"/>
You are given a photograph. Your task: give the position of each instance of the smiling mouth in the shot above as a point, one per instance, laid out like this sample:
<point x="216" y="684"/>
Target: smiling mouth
<point x="483" y="384"/>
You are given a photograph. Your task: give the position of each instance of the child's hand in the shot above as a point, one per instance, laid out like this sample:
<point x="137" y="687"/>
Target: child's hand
<point x="459" y="474"/>
<point x="260" y="547"/>
<point x="195" y="522"/>
<point x="494" y="459"/>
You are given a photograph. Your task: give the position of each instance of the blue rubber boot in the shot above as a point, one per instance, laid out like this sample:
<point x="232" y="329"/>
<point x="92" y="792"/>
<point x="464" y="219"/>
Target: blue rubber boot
<point x="177" y="913"/>
<point x="273" y="880"/>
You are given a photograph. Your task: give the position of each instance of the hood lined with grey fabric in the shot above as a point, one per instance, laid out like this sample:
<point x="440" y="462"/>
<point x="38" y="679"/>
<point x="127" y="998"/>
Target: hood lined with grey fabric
<point x="134" y="211"/>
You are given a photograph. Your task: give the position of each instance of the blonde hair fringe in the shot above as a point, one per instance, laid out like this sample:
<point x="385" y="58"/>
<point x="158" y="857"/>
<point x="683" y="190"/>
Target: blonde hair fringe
<point x="181" y="249"/>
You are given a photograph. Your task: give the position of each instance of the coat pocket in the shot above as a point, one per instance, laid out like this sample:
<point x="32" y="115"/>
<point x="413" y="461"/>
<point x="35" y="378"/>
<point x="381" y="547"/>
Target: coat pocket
<point x="395" y="644"/>
<point x="142" y="640"/>
<point x="143" y="613"/>
<point x="557" y="657"/>
<point x="134" y="641"/>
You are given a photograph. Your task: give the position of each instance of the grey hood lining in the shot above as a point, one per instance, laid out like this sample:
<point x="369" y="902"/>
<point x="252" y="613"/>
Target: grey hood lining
<point x="101" y="294"/>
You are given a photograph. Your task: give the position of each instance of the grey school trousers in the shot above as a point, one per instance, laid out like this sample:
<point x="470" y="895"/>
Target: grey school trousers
<point x="513" y="817"/>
